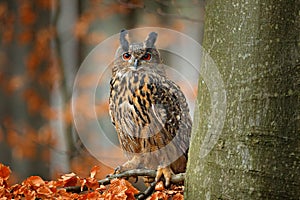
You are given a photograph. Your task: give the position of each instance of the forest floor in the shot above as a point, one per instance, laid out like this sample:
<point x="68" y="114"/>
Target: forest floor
<point x="70" y="186"/>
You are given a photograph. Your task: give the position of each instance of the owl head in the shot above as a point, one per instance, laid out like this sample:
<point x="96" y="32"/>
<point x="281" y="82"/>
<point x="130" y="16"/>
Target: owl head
<point x="137" y="56"/>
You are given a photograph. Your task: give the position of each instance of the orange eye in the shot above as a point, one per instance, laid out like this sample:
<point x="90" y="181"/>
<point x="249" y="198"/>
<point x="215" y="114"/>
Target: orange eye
<point x="126" y="56"/>
<point x="147" y="56"/>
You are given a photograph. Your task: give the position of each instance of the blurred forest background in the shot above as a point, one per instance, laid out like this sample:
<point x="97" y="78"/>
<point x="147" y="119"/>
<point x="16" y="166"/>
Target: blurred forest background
<point x="43" y="44"/>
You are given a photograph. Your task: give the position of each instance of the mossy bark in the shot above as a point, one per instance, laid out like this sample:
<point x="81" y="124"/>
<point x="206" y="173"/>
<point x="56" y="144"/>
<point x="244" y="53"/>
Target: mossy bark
<point x="255" y="45"/>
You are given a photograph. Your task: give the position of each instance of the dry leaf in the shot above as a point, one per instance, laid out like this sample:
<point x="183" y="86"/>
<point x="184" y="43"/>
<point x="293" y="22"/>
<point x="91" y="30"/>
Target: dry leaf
<point x="94" y="171"/>
<point x="69" y="179"/>
<point x="4" y="172"/>
<point x="34" y="181"/>
<point x="159" y="186"/>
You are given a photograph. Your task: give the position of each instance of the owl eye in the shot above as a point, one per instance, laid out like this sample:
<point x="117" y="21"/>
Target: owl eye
<point x="126" y="56"/>
<point x="147" y="56"/>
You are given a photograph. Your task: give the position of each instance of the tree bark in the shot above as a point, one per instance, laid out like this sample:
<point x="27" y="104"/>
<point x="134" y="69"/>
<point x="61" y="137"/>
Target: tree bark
<point x="255" y="45"/>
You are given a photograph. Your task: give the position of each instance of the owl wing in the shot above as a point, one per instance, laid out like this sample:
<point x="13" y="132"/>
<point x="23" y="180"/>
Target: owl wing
<point x="112" y="99"/>
<point x="172" y="113"/>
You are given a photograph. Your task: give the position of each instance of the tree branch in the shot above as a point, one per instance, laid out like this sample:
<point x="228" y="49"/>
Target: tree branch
<point x="176" y="178"/>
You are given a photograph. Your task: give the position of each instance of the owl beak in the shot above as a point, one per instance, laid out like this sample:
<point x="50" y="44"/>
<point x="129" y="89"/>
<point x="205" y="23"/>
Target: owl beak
<point x="136" y="63"/>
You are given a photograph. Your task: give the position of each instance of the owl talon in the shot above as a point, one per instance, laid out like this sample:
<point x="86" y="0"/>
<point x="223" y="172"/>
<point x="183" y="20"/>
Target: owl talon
<point x="167" y="172"/>
<point x="117" y="170"/>
<point x="136" y="179"/>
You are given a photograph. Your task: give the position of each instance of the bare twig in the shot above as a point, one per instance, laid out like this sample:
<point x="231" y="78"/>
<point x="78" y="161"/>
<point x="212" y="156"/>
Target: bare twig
<point x="176" y="178"/>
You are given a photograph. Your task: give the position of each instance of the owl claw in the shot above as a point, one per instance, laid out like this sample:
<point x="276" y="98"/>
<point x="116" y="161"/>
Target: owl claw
<point x="167" y="172"/>
<point x="118" y="170"/>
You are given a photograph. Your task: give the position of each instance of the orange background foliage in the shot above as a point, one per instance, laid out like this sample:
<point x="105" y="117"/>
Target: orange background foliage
<point x="36" y="77"/>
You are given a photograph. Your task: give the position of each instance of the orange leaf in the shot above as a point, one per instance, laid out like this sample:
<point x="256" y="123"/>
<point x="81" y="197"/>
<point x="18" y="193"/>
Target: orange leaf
<point x="32" y="63"/>
<point x="4" y="172"/>
<point x="159" y="196"/>
<point x="44" y="191"/>
<point x="25" y="37"/>
<point x="101" y="188"/>
<point x="3" y="191"/>
<point x="121" y="189"/>
<point x="92" y="195"/>
<point x="178" y="196"/>
<point x="29" y="194"/>
<point x="27" y="14"/>
<point x="35" y="181"/>
<point x="34" y="101"/>
<point x="94" y="171"/>
<point x="69" y="179"/>
<point x="45" y="4"/>
<point x="159" y="186"/>
<point x="92" y="183"/>
<point x="82" y="184"/>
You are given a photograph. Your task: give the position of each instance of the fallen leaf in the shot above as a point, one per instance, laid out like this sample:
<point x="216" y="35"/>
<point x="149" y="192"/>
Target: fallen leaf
<point x="159" y="186"/>
<point x="44" y="191"/>
<point x="178" y="196"/>
<point x="159" y="196"/>
<point x="34" y="181"/>
<point x="94" y="171"/>
<point x="4" y="172"/>
<point x="70" y="179"/>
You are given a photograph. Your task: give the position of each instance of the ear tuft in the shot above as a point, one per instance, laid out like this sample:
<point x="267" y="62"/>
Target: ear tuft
<point x="123" y="40"/>
<point x="151" y="40"/>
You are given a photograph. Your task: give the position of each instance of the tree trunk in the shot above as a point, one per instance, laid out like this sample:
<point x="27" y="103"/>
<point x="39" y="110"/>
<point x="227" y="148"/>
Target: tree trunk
<point x="256" y="155"/>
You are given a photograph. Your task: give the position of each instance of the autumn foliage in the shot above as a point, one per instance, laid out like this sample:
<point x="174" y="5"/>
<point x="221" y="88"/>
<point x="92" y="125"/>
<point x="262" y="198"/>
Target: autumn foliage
<point x="35" y="187"/>
<point x="118" y="189"/>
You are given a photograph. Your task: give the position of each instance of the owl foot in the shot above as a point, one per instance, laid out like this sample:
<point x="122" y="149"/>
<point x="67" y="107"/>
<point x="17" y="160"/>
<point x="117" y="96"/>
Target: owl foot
<point x="167" y="172"/>
<point x="130" y="164"/>
<point x="118" y="170"/>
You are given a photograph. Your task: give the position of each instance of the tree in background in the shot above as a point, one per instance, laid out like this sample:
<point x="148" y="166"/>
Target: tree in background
<point x="255" y="45"/>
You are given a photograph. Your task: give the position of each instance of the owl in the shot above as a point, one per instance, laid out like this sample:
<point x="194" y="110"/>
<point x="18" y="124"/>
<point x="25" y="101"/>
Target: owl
<point x="149" y="111"/>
